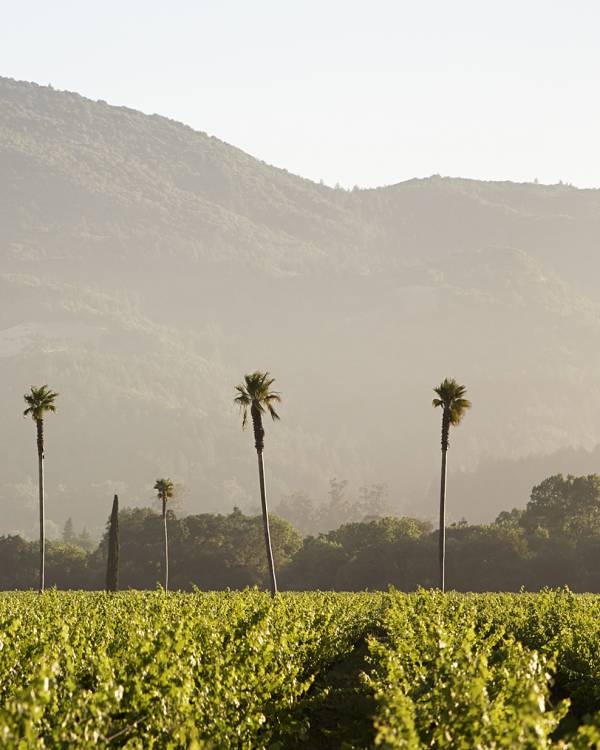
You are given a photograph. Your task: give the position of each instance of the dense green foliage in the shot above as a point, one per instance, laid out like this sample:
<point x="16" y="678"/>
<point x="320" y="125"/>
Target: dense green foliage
<point x="555" y="541"/>
<point x="208" y="551"/>
<point x="240" y="670"/>
<point x="157" y="670"/>
<point x="489" y="671"/>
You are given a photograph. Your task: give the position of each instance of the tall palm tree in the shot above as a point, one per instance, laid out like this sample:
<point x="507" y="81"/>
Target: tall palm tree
<point x="255" y="396"/>
<point x="451" y="399"/>
<point x="164" y="490"/>
<point x="40" y="400"/>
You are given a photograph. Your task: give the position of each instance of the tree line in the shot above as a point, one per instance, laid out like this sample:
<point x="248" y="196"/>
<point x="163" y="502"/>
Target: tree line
<point x="255" y="398"/>
<point x="554" y="541"/>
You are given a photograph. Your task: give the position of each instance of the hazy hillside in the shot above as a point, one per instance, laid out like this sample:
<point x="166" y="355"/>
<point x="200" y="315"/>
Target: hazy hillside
<point x="144" y="267"/>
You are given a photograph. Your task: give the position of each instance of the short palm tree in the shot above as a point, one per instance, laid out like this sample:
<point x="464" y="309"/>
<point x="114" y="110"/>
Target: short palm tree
<point x="164" y="490"/>
<point x="451" y="399"/>
<point x="256" y="397"/>
<point x="40" y="401"/>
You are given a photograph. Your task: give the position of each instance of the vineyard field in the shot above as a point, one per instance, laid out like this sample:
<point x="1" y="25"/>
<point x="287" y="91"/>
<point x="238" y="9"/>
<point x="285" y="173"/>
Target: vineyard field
<point x="314" y="670"/>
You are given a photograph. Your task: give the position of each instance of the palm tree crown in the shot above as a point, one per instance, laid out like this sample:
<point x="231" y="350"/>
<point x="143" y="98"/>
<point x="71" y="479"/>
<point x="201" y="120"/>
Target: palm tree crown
<point x="39" y="401"/>
<point x="255" y="395"/>
<point x="164" y="489"/>
<point x="451" y="398"/>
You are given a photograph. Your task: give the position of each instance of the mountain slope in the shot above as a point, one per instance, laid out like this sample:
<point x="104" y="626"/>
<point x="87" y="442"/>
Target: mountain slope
<point x="145" y="267"/>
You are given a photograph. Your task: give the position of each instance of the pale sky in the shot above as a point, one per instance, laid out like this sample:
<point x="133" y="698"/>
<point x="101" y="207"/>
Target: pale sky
<point x="367" y="93"/>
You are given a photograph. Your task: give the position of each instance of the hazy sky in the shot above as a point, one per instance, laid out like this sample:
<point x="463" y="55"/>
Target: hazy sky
<point x="366" y="93"/>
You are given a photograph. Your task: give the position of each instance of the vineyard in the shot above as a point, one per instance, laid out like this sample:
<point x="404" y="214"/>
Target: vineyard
<point x="318" y="670"/>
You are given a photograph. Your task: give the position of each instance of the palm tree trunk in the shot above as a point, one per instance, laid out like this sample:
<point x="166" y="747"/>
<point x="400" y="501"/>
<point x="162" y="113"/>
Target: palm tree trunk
<point x="265" y="515"/>
<point x="40" y="446"/>
<point x="164" y="514"/>
<point x="442" y="535"/>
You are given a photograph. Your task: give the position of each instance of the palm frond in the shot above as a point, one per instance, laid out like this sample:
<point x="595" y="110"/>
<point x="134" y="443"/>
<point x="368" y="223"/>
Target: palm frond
<point x="273" y="413"/>
<point x="452" y="400"/>
<point x="164" y="489"/>
<point x="39" y="400"/>
<point x="256" y="394"/>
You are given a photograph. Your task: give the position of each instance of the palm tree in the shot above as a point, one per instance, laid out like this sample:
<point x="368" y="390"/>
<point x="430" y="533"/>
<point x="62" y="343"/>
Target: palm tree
<point x="164" y="490"/>
<point x="40" y="400"/>
<point x="255" y="396"/>
<point x="451" y="398"/>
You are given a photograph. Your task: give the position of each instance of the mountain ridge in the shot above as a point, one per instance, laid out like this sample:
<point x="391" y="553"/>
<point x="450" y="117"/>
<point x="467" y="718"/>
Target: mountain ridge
<point x="200" y="262"/>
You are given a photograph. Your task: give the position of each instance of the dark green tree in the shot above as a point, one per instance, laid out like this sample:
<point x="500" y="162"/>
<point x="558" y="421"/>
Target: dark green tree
<point x="84" y="540"/>
<point x="68" y="535"/>
<point x="112" y="562"/>
<point x="451" y="399"/>
<point x="164" y="490"/>
<point x="40" y="400"/>
<point x="256" y="397"/>
<point x="510" y="518"/>
<point x="566" y="506"/>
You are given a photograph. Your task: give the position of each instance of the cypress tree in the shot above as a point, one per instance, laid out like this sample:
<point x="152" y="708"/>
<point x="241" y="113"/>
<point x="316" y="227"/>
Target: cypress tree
<point x="112" y="564"/>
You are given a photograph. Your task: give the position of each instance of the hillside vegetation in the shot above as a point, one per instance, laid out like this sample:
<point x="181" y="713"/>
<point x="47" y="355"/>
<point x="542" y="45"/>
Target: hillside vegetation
<point x="144" y="267"/>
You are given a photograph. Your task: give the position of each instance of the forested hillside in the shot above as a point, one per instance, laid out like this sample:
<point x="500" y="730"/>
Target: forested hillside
<point x="144" y="267"/>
